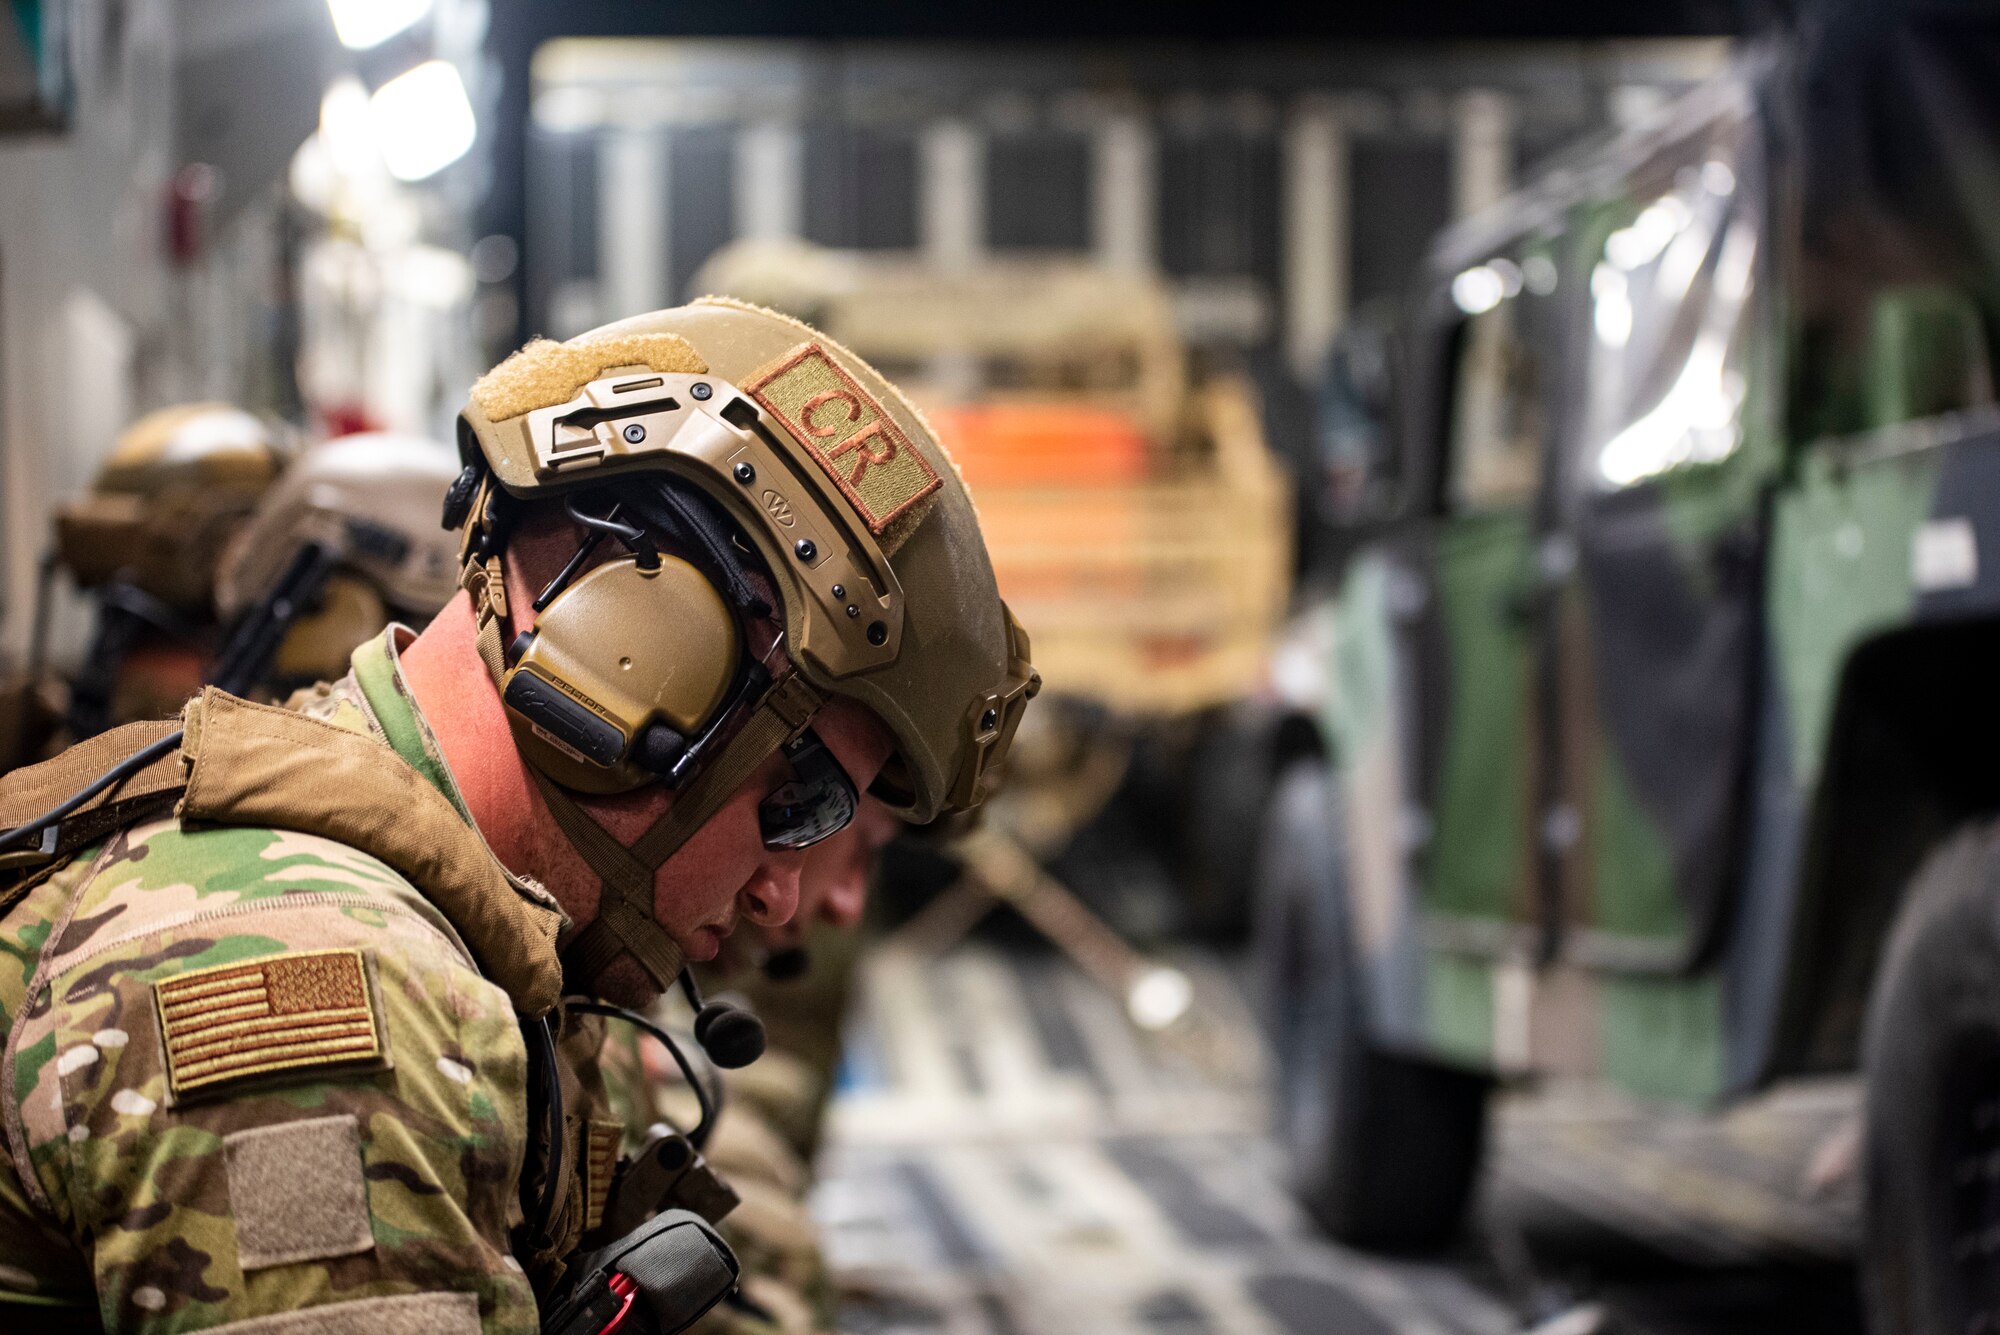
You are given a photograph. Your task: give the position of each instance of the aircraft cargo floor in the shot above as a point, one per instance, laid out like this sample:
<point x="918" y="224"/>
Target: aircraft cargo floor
<point x="1009" y="1157"/>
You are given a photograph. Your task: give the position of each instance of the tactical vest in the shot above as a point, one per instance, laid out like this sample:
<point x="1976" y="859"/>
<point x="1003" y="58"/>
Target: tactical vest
<point x="245" y="764"/>
<point x="241" y="763"/>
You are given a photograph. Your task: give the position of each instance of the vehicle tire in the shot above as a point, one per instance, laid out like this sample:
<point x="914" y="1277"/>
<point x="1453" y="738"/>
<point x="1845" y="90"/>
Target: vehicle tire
<point x="1383" y="1149"/>
<point x="1931" y="1075"/>
<point x="1227" y="795"/>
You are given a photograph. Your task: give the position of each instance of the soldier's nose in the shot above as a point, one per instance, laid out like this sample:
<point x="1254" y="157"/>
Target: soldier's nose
<point x="772" y="895"/>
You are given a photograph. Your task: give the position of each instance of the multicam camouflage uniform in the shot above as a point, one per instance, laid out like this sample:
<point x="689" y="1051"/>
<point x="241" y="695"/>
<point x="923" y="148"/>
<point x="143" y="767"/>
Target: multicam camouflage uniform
<point x="251" y="1072"/>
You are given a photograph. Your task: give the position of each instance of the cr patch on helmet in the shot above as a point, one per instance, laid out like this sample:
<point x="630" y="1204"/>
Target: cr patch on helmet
<point x="847" y="432"/>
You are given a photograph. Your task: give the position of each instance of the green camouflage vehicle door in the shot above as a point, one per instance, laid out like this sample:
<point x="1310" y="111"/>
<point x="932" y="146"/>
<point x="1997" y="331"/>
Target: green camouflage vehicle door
<point x="1499" y="393"/>
<point x="1655" y="560"/>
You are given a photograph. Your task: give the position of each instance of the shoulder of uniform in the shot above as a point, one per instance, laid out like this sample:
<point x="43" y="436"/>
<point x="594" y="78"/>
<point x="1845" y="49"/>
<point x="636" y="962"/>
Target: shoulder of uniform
<point x="185" y="882"/>
<point x="243" y="863"/>
<point x="265" y="1087"/>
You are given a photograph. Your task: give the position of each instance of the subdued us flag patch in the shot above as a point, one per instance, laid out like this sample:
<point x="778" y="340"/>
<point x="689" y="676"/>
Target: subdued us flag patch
<point x="849" y="434"/>
<point x="299" y="1010"/>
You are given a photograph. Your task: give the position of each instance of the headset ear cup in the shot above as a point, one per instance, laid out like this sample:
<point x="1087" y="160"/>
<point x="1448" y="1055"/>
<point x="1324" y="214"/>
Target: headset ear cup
<point x="624" y="665"/>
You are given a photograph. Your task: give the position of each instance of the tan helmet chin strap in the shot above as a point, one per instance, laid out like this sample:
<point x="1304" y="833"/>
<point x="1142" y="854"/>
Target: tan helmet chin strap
<point x="625" y="920"/>
<point x="624" y="907"/>
<point x="625" y="913"/>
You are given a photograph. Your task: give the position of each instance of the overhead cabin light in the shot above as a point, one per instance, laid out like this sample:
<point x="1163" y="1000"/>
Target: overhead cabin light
<point x="347" y="128"/>
<point x="423" y="120"/>
<point x="1159" y="997"/>
<point x="361" y="24"/>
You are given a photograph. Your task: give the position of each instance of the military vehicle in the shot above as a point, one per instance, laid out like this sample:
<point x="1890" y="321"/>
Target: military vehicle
<point x="1138" y="522"/>
<point x="1648" y="738"/>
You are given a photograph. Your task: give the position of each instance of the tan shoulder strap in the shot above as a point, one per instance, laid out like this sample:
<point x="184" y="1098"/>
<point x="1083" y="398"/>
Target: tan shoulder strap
<point x="252" y="764"/>
<point x="28" y="792"/>
<point x="248" y="764"/>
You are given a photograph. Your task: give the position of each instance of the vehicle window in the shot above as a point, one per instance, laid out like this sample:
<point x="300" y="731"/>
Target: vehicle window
<point x="1498" y="384"/>
<point x="1671" y="282"/>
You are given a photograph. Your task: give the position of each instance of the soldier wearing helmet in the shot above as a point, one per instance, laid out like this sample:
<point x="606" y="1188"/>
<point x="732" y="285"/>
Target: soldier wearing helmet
<point x="291" y="1046"/>
<point x="144" y="544"/>
<point x="346" y="541"/>
<point x="768" y="1132"/>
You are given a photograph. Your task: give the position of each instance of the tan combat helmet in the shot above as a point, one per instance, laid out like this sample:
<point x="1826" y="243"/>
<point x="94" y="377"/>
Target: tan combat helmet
<point x="167" y="500"/>
<point x="370" y="502"/>
<point x="886" y="594"/>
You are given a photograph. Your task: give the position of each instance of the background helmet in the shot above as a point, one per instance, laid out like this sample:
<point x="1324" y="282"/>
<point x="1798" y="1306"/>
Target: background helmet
<point x="371" y="500"/>
<point x="166" y="501"/>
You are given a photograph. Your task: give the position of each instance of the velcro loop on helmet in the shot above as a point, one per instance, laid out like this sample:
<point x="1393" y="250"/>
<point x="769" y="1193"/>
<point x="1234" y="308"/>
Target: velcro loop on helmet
<point x="546" y="373"/>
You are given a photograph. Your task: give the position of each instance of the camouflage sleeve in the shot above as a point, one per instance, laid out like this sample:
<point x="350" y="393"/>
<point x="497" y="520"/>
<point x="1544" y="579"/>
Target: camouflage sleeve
<point x="305" y="1104"/>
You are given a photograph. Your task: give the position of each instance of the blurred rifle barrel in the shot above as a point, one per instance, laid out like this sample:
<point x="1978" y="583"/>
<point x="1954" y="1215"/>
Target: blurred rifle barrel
<point x="253" y="642"/>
